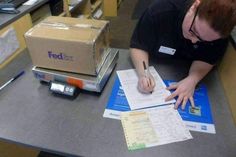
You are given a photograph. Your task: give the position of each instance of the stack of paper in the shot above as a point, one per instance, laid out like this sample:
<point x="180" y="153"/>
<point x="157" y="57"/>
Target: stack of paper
<point x="137" y="100"/>
<point x="153" y="126"/>
<point x="200" y="120"/>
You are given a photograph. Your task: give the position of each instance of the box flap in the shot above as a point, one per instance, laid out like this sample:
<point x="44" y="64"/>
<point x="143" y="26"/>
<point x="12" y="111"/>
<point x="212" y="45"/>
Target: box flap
<point x="70" y="29"/>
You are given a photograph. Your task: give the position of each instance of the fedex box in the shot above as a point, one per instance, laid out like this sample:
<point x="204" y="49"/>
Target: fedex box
<point x="69" y="44"/>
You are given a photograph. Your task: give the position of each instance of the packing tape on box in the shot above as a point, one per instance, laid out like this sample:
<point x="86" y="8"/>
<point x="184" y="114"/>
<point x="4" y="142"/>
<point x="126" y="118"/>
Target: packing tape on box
<point x="63" y="26"/>
<point x="60" y="25"/>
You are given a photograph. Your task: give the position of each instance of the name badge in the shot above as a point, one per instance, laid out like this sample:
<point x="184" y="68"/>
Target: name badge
<point x="167" y="50"/>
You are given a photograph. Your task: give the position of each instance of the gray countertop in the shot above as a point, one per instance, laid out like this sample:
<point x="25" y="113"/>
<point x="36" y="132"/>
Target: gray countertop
<point x="6" y="19"/>
<point x="32" y="116"/>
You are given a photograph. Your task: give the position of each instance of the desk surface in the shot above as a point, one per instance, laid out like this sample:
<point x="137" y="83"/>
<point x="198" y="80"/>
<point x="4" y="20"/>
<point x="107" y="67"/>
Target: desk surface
<point x="32" y="116"/>
<point x="6" y="19"/>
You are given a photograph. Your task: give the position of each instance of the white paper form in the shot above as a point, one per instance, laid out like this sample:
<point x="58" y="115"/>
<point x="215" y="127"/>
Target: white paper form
<point x="153" y="126"/>
<point x="137" y="100"/>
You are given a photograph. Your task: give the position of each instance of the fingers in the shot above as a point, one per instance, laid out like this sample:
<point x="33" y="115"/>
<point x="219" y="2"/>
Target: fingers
<point x="184" y="91"/>
<point x="172" y="96"/>
<point x="185" y="100"/>
<point x="146" y="84"/>
<point x="143" y="86"/>
<point x="152" y="82"/>
<point x="173" y="86"/>
<point x="192" y="101"/>
<point x="179" y="100"/>
<point x="149" y="82"/>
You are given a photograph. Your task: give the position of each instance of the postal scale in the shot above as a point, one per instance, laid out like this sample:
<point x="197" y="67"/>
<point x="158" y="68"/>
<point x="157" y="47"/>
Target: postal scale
<point x="68" y="84"/>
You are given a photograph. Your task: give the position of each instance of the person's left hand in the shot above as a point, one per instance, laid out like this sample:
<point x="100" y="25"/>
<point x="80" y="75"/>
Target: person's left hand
<point x="184" y="90"/>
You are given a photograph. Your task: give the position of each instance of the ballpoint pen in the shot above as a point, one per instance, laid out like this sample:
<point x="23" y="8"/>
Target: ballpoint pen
<point x="145" y="69"/>
<point x="12" y="79"/>
<point x="147" y="73"/>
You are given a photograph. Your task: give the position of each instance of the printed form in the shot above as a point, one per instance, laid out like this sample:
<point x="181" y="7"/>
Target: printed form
<point x="137" y="100"/>
<point x="153" y="127"/>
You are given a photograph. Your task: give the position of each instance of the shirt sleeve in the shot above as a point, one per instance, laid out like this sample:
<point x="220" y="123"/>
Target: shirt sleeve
<point x="213" y="52"/>
<point x="144" y="35"/>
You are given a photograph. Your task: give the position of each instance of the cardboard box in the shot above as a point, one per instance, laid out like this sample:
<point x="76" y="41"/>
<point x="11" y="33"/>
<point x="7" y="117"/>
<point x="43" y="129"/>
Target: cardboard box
<point x="69" y="44"/>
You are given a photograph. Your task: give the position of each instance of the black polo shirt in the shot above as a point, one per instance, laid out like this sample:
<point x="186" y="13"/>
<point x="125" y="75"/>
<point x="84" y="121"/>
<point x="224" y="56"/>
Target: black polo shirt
<point x="159" y="30"/>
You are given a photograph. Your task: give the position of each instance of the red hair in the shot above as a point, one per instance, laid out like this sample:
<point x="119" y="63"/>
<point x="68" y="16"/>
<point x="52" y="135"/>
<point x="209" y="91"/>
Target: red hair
<point x="221" y="15"/>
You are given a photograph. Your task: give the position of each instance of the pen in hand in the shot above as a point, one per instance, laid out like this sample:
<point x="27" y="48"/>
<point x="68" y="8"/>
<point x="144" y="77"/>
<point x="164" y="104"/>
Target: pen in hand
<point x="147" y="74"/>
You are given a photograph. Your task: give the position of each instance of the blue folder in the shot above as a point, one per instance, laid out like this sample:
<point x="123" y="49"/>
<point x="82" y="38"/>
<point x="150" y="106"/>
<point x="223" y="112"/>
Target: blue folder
<point x="196" y="119"/>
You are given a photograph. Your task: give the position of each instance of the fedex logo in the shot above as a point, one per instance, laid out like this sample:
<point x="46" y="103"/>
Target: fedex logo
<point x="59" y="56"/>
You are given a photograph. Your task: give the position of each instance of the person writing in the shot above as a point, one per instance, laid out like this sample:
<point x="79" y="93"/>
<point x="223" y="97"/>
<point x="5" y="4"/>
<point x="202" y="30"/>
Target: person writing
<point x="194" y="30"/>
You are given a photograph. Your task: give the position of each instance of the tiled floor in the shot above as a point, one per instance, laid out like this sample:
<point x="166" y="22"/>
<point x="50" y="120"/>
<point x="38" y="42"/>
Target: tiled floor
<point x="121" y="27"/>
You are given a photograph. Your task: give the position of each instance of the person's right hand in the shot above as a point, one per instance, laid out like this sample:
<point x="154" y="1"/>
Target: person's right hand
<point x="146" y="84"/>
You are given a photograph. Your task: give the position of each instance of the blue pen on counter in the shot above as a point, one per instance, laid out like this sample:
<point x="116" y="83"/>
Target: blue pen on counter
<point x="12" y="79"/>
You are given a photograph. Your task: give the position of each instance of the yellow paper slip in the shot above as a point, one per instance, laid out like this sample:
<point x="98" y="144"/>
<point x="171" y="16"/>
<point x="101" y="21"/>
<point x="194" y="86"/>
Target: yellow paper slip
<point x="152" y="127"/>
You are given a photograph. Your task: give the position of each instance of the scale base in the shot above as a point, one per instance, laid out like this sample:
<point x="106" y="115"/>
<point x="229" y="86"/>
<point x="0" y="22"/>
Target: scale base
<point x="81" y="81"/>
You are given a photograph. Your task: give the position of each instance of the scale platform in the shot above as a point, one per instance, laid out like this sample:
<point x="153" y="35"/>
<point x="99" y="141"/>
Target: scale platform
<point x="85" y="82"/>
